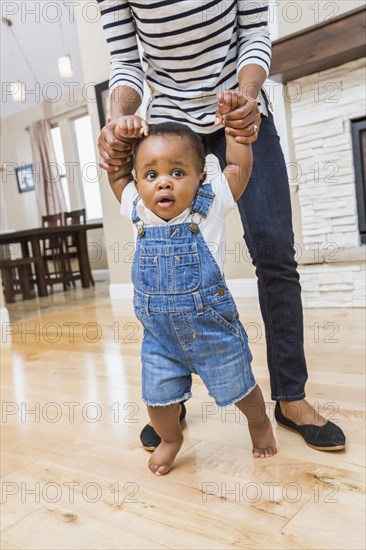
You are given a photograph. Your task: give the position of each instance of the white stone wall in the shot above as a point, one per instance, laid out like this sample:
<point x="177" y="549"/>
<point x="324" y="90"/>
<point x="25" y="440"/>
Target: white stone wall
<point x="330" y="285"/>
<point x="322" y="106"/>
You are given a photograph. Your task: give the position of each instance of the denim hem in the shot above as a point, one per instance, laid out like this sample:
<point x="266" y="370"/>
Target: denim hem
<point x="185" y="397"/>
<point x="233" y="401"/>
<point x="288" y="397"/>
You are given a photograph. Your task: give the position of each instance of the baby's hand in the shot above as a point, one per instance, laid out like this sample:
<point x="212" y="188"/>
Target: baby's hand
<point x="130" y="127"/>
<point x="227" y="101"/>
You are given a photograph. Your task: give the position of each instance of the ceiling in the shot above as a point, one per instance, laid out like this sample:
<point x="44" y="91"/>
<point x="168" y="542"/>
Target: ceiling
<point x="45" y="31"/>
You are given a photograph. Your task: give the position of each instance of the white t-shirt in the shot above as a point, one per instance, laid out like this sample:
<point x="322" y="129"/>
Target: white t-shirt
<point x="212" y="227"/>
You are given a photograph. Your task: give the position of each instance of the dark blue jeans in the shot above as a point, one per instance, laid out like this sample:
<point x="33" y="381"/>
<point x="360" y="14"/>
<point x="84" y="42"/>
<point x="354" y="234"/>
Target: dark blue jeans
<point x="265" y="210"/>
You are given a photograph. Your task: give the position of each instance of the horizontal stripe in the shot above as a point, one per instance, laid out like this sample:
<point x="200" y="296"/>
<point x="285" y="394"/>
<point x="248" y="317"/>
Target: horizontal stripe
<point x="125" y="50"/>
<point x="113" y="9"/>
<point x="179" y="119"/>
<point x="117" y="23"/>
<point x="252" y="12"/>
<point x="164" y="106"/>
<point x="121" y="36"/>
<point x="122" y="81"/>
<point x="190" y="56"/>
<point x="253" y="26"/>
<point x="254" y="57"/>
<point x="176" y="16"/>
<point x="194" y="42"/>
<point x="154" y="5"/>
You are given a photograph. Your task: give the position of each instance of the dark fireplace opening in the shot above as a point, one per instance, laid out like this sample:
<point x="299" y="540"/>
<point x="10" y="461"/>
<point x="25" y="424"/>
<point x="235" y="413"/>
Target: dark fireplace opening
<point x="359" y="156"/>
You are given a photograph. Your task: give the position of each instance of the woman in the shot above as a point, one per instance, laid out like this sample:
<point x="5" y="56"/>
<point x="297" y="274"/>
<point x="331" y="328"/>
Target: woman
<point x="191" y="52"/>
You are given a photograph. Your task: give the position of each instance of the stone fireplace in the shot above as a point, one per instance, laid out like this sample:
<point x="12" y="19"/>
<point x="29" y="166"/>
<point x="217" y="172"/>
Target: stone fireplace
<point x="324" y="74"/>
<point x="332" y="262"/>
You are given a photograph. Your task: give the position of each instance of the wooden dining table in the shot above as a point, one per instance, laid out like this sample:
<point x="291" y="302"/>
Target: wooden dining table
<point x="30" y="240"/>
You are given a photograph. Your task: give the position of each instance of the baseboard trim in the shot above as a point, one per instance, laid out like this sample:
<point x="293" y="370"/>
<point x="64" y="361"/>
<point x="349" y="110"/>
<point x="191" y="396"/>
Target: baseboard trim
<point x="4" y="323"/>
<point x="4" y="315"/>
<point x="121" y="291"/>
<point x="100" y="274"/>
<point x="239" y="288"/>
<point x="243" y="288"/>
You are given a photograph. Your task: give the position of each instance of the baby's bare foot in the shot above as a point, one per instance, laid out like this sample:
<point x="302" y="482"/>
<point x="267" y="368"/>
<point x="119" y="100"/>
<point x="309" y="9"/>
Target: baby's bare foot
<point x="264" y="443"/>
<point x="162" y="459"/>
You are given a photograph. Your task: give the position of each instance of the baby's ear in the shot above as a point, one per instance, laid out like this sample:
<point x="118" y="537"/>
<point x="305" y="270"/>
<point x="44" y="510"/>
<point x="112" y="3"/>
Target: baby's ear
<point x="203" y="177"/>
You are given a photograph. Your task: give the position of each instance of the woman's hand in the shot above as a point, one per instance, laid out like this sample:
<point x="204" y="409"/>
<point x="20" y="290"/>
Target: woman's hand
<point x="239" y="115"/>
<point x="113" y="152"/>
<point x="115" y="141"/>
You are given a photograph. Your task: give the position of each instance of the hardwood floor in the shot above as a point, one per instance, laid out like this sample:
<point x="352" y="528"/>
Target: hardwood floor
<point x="74" y="475"/>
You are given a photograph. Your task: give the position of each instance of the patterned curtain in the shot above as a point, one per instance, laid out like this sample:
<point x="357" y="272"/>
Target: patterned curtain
<point x="49" y="192"/>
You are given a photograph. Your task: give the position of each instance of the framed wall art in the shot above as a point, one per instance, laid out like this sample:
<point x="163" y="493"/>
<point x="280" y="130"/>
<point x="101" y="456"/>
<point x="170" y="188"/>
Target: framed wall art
<point x="25" y="178"/>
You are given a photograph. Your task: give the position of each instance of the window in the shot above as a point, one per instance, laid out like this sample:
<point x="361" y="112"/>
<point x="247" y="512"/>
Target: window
<point x="57" y="144"/>
<point x="359" y="155"/>
<point x="88" y="166"/>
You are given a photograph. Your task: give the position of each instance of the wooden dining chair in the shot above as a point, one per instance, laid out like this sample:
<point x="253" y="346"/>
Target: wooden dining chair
<point x="54" y="254"/>
<point x="75" y="217"/>
<point x="17" y="276"/>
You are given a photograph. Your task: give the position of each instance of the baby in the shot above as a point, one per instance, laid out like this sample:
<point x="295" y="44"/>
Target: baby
<point x="190" y="320"/>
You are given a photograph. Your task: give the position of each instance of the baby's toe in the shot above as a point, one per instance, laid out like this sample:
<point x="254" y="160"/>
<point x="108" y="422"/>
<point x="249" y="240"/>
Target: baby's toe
<point x="162" y="470"/>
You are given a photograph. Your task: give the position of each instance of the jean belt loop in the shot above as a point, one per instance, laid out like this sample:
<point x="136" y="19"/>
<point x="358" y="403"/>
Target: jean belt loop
<point x="198" y="303"/>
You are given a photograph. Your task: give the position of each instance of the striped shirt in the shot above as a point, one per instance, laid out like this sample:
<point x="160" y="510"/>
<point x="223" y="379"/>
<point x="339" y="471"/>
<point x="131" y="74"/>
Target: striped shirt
<point x="189" y="51"/>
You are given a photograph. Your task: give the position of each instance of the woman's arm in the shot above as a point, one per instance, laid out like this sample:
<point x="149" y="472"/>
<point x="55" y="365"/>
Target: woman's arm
<point x="120" y="33"/>
<point x="254" y="58"/>
<point x="128" y="128"/>
<point x="126" y="79"/>
<point x="254" y="46"/>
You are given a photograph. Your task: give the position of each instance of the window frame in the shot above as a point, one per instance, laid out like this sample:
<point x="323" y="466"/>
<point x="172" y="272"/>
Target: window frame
<point x="357" y="127"/>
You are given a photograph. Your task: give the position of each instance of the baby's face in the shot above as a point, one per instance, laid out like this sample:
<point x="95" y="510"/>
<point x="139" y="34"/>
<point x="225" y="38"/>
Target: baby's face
<point x="167" y="175"/>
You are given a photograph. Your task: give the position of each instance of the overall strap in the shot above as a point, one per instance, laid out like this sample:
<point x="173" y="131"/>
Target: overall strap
<point x="201" y="206"/>
<point x="136" y="220"/>
<point x="134" y="216"/>
<point x="203" y="200"/>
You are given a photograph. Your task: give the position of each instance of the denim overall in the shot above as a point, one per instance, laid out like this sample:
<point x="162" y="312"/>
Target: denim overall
<point x="191" y="324"/>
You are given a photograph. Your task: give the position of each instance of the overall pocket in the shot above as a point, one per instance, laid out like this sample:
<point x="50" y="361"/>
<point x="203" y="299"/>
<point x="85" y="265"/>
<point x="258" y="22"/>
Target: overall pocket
<point x="226" y="314"/>
<point x="168" y="269"/>
<point x="187" y="272"/>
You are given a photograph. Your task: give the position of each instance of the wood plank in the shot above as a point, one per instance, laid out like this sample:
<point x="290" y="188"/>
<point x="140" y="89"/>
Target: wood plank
<point x="342" y="513"/>
<point x="318" y="48"/>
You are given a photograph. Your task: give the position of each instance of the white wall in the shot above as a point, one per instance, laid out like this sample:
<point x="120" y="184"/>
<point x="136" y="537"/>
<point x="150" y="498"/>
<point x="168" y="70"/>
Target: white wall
<point x="21" y="208"/>
<point x="294" y="16"/>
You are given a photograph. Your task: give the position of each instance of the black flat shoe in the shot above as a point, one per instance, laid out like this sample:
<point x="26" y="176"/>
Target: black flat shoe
<point x="148" y="436"/>
<point x="322" y="438"/>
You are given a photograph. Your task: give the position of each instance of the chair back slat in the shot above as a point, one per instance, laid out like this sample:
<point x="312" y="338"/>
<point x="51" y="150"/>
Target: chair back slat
<point x="52" y="220"/>
<point x="75" y="217"/>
